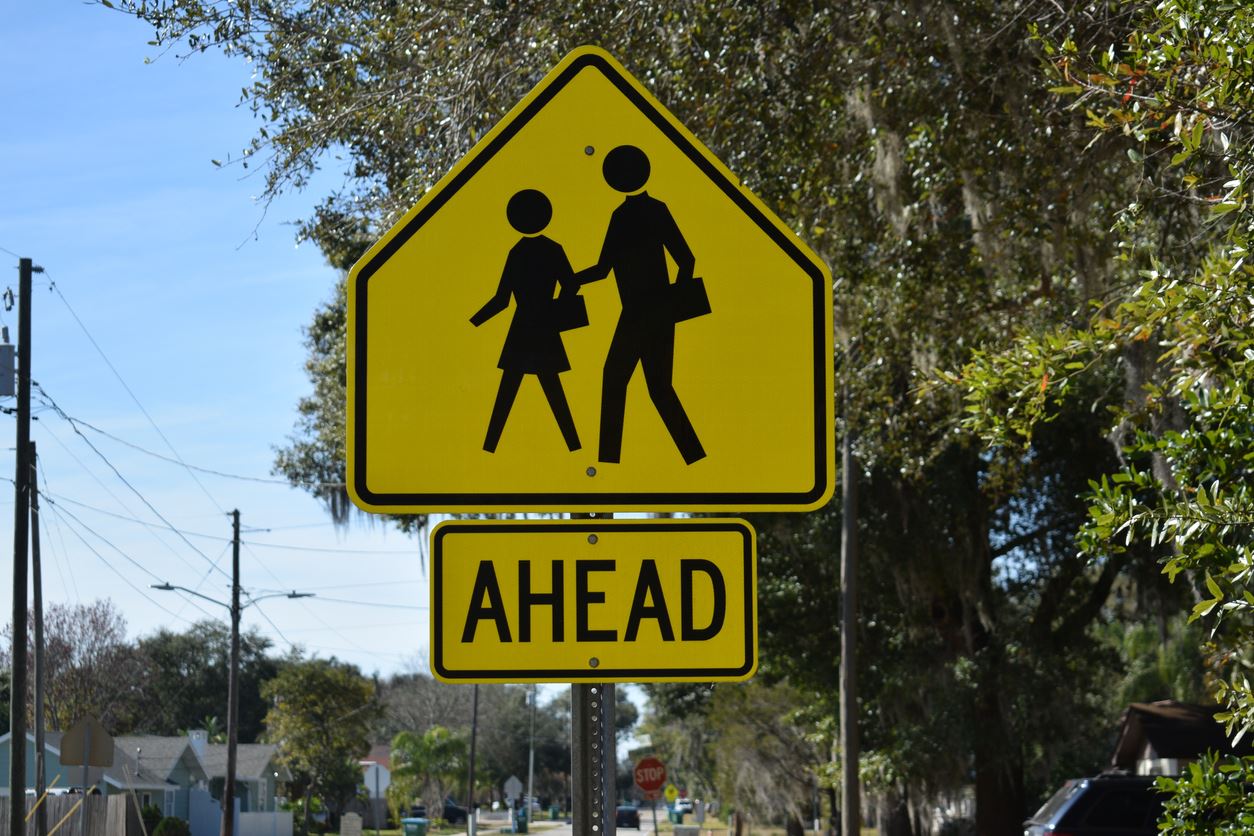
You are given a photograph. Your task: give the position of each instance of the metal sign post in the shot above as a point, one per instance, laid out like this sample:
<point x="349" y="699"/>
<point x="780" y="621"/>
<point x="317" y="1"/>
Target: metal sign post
<point x="593" y="759"/>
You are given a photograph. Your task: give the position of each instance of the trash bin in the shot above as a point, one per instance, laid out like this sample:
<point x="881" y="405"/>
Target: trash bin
<point x="520" y="821"/>
<point x="555" y="812"/>
<point x="675" y="816"/>
<point x="414" y="827"/>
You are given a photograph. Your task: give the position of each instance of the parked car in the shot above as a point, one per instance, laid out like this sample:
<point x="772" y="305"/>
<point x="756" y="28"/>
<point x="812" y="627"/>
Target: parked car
<point x="627" y="815"/>
<point x="1109" y="805"/>
<point x="454" y="813"/>
<point x="683" y="805"/>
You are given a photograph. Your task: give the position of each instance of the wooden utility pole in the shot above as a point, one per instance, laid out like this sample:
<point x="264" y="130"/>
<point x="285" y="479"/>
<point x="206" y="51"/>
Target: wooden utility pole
<point x="232" y="689"/>
<point x="37" y="588"/>
<point x="21" y="535"/>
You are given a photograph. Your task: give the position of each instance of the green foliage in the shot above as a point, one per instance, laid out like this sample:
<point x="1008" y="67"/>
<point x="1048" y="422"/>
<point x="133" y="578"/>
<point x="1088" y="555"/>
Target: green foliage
<point x="321" y="712"/>
<point x="429" y="765"/>
<point x="1161" y="661"/>
<point x="186" y="674"/>
<point x="1170" y="85"/>
<point x="1177" y="86"/>
<point x="151" y="814"/>
<point x="172" y="826"/>
<point x="1214" y="796"/>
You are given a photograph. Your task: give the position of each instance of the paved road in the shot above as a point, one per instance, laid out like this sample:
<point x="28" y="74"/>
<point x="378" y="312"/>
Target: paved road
<point x="546" y="828"/>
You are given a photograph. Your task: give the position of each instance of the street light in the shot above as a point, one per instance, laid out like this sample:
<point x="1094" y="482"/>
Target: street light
<point x="232" y="698"/>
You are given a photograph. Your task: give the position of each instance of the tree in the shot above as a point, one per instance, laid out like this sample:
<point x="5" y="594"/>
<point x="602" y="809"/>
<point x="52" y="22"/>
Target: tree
<point x="1168" y="85"/>
<point x="320" y="716"/>
<point x="90" y="668"/>
<point x="429" y="765"/>
<point x="185" y="676"/>
<point x="416" y="702"/>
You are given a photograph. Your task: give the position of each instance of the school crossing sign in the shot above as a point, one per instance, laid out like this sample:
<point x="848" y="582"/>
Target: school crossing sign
<point x="589" y="313"/>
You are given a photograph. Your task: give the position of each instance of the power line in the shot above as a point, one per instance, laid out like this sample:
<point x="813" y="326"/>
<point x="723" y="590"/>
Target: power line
<point x="53" y="286"/>
<point x="169" y="525"/>
<point x="151" y="527"/>
<point x="60" y="536"/>
<point x="207" y="470"/>
<point x="220" y="538"/>
<point x="373" y="604"/>
<point x="350" y="585"/>
<point x="115" y="571"/>
<point x="305" y="606"/>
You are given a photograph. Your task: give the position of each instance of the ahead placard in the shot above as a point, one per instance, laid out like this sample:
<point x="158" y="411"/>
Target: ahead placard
<point x="594" y="601"/>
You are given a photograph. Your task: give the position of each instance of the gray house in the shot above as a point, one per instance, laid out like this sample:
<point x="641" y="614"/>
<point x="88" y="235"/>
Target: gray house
<point x="162" y="771"/>
<point x="173" y="760"/>
<point x="257" y="772"/>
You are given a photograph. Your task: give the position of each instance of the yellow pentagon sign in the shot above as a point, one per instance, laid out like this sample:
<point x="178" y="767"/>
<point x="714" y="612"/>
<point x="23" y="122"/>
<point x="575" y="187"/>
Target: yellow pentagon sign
<point x="593" y="601"/>
<point x="589" y="313"/>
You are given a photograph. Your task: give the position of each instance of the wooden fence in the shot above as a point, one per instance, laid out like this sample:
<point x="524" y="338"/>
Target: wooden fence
<point x="114" y="815"/>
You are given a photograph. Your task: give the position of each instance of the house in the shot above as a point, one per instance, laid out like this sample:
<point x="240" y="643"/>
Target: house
<point x="172" y="759"/>
<point x="1159" y="738"/>
<point x="163" y="776"/>
<point x="258" y="771"/>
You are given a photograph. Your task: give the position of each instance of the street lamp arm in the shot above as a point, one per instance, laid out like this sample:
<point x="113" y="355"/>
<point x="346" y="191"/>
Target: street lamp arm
<point x="167" y="587"/>
<point x="292" y="594"/>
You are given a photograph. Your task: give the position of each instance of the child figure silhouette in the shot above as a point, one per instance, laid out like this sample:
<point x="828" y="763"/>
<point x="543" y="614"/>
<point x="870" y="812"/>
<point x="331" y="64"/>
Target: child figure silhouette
<point x="533" y="344"/>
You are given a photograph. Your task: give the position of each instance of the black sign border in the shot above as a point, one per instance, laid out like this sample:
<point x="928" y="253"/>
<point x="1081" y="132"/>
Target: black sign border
<point x="594" y="500"/>
<point x="585" y="674"/>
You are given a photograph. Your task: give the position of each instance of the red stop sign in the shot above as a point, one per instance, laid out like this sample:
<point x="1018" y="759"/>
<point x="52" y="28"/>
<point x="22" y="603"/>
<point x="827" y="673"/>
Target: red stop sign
<point x="650" y="774"/>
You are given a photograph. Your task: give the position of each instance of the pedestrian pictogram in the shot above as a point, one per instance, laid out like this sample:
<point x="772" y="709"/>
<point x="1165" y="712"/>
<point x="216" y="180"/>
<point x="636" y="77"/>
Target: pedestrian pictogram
<point x="589" y="312"/>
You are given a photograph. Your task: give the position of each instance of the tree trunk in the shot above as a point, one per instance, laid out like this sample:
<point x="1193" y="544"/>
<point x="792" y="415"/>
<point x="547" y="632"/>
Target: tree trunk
<point x="894" y="817"/>
<point x="999" y="796"/>
<point x="794" y="827"/>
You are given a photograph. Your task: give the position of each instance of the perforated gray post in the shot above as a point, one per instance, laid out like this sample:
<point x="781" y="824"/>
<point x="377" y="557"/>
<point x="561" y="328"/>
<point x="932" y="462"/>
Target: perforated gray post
<point x="593" y="759"/>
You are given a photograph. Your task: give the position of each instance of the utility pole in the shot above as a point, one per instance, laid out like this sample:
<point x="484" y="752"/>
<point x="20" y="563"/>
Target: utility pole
<point x="227" y="827"/>
<point x="21" y="534"/>
<point x="37" y="585"/>
<point x="232" y="689"/>
<point x="531" y="758"/>
<point x="850" y="795"/>
<point x="471" y="818"/>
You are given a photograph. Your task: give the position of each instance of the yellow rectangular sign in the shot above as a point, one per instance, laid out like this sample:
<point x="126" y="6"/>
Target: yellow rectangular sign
<point x="594" y="601"/>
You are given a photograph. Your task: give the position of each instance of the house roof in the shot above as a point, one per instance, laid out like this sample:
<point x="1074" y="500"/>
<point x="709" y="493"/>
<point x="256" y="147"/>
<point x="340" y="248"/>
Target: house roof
<point x="252" y="761"/>
<point x="157" y="755"/>
<point x="380" y="753"/>
<point x="123" y="773"/>
<point x="1170" y="729"/>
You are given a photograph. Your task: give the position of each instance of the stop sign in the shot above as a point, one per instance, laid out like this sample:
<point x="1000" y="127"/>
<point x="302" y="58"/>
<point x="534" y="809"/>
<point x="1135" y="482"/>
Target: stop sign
<point x="650" y="774"/>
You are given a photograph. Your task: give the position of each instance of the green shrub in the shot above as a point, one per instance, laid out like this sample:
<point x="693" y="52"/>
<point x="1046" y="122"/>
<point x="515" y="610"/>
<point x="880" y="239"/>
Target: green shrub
<point x="151" y="814"/>
<point x="172" y="826"/>
<point x="1213" y="797"/>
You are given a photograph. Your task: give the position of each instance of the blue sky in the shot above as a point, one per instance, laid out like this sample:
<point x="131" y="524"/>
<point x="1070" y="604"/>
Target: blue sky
<point x="169" y="317"/>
